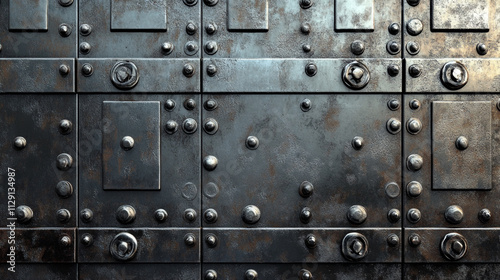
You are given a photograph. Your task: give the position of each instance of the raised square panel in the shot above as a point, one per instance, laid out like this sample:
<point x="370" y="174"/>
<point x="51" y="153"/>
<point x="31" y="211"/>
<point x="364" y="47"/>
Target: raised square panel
<point x="247" y="15"/>
<point x="28" y="15"/>
<point x="460" y="15"/>
<point x="454" y="166"/>
<point x="139" y="15"/>
<point x="354" y="15"/>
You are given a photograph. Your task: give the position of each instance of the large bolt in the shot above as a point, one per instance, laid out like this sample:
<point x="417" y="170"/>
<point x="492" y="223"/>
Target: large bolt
<point x="414" y="162"/>
<point x="357" y="214"/>
<point x="454" y="214"/>
<point x="125" y="214"/>
<point x="414" y="26"/>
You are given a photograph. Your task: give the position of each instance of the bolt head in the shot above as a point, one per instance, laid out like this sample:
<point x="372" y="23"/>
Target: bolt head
<point x="393" y="240"/>
<point x="167" y="48"/>
<point x="357" y="142"/>
<point x="393" y="70"/>
<point x="454" y="214"/>
<point x="87" y="70"/>
<point x="414" y="162"/>
<point x="190" y="215"/>
<point x="393" y="47"/>
<point x="481" y="49"/>
<point x="65" y="126"/>
<point x="65" y="241"/>
<point x="414" y="189"/>
<point x="306" y="4"/>
<point x="65" y="30"/>
<point x="413" y="2"/>
<point x="305" y="28"/>
<point x="20" y="142"/>
<point x="210" y="216"/>
<point x="484" y="215"/>
<point x="251" y="214"/>
<point x="190" y="104"/>
<point x="306" y="189"/>
<point x="357" y="214"/>
<point x="189" y="126"/>
<point x="414" y="27"/>
<point x="86" y="215"/>
<point x="252" y="142"/>
<point x="211" y="240"/>
<point x="188" y="70"/>
<point x="169" y="105"/>
<point x="211" y="2"/>
<point x="251" y="274"/>
<point x="190" y="240"/>
<point x="414" y="104"/>
<point x="85" y="48"/>
<point x="211" y="47"/>
<point x="393" y="126"/>
<point x="306" y="105"/>
<point x="125" y="214"/>
<point x="210" y="105"/>
<point x="64" y="161"/>
<point x="311" y="69"/>
<point x="190" y="2"/>
<point x="357" y="47"/>
<point x="63" y="215"/>
<point x="87" y="239"/>
<point x="210" y="274"/>
<point x="393" y="104"/>
<point x="462" y="143"/>
<point x="415" y="70"/>
<point x="65" y="3"/>
<point x="306" y="48"/>
<point x="413" y="215"/>
<point x="191" y="28"/>
<point x="305" y="215"/>
<point x="210" y="163"/>
<point x="127" y="143"/>
<point x="414" y="240"/>
<point x="211" y="28"/>
<point x="161" y="215"/>
<point x="413" y="48"/>
<point x="394" y="28"/>
<point x="311" y="241"/>
<point x="211" y="70"/>
<point x="85" y="29"/>
<point x="171" y="127"/>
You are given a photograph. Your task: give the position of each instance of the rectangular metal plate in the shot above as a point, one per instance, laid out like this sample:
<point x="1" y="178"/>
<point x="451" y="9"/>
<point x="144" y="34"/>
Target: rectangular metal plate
<point x="456" y="271"/>
<point x="39" y="271"/>
<point x="461" y="169"/>
<point x="137" y="168"/>
<point x="460" y="15"/>
<point x="247" y="15"/>
<point x="354" y="16"/>
<point x="28" y="15"/>
<point x="150" y="271"/>
<point x="139" y="15"/>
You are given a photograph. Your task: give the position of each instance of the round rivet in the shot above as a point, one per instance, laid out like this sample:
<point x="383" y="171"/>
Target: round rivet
<point x="357" y="214"/>
<point x="356" y="75"/>
<point x="190" y="215"/>
<point x="167" y="48"/>
<point x="65" y="30"/>
<point x="306" y="189"/>
<point x="413" y="189"/>
<point x="125" y="214"/>
<point x="171" y="127"/>
<point x="20" y="142"/>
<point x="392" y="190"/>
<point x="393" y="126"/>
<point x="211" y="3"/>
<point x="210" y="163"/>
<point x="252" y="142"/>
<point x="210" y="216"/>
<point x="211" y="70"/>
<point x="125" y="75"/>
<point x="413" y="48"/>
<point x="190" y="104"/>
<point x="414" y="126"/>
<point x="414" y="240"/>
<point x="127" y="143"/>
<point x="484" y="215"/>
<point x="413" y="215"/>
<point x="161" y="215"/>
<point x="414" y="162"/>
<point x="210" y="105"/>
<point x="481" y="49"/>
<point x="305" y="28"/>
<point x="188" y="70"/>
<point x="414" y="26"/>
<point x="310" y="241"/>
<point x="190" y="240"/>
<point x="87" y="70"/>
<point x="211" y="28"/>
<point x="393" y="47"/>
<point x="414" y="104"/>
<point x="24" y="214"/>
<point x="64" y="70"/>
<point x="454" y="214"/>
<point x="169" y="105"/>
<point x="393" y="104"/>
<point x="85" y="29"/>
<point x="210" y="126"/>
<point x="65" y="240"/>
<point x="190" y="2"/>
<point x="189" y="126"/>
<point x="0" y="47"/>
<point x="64" y="161"/>
<point x="454" y="75"/>
<point x="305" y="274"/>
<point x="357" y="47"/>
<point x="251" y="274"/>
<point x="306" y="4"/>
<point x="357" y="142"/>
<point x="64" y="189"/>
<point x="306" y="48"/>
<point x="191" y="28"/>
<point x="87" y="239"/>
<point x="210" y="274"/>
<point x="250" y="214"/>
<point x="65" y="126"/>
<point x="393" y="240"/>
<point x="191" y="48"/>
<point x="394" y="215"/>
<point x="305" y="215"/>
<point x="305" y="105"/>
<point x="86" y="215"/>
<point x="85" y="48"/>
<point x="211" y="47"/>
<point x="413" y="2"/>
<point x="454" y="246"/>
<point x="415" y="70"/>
<point x="311" y="69"/>
<point x="354" y="246"/>
<point x="211" y="240"/>
<point x="65" y="3"/>
<point x="63" y="215"/>
<point x="393" y="70"/>
<point x="462" y="143"/>
<point x="394" y="28"/>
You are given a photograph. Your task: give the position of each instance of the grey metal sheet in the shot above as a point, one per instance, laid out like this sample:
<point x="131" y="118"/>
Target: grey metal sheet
<point x="138" y="15"/>
<point x="28" y="15"/>
<point x="458" y="271"/>
<point x="356" y="16"/>
<point x="139" y="271"/>
<point x="460" y="15"/>
<point x="244" y="15"/>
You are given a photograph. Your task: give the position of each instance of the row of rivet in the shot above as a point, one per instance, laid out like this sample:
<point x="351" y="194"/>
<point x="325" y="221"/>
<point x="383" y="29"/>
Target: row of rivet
<point x="453" y="245"/>
<point x="87" y="240"/>
<point x="126" y="214"/>
<point x="87" y="69"/>
<point x="453" y="214"/>
<point x="24" y="214"/>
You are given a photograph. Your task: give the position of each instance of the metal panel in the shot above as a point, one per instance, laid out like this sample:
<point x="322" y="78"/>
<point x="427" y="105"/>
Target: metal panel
<point x="460" y="15"/>
<point x="354" y="17"/>
<point x="36" y="75"/>
<point x="139" y="15"/>
<point x="136" y="168"/>
<point x="289" y="75"/>
<point x="462" y="167"/>
<point x="46" y="271"/>
<point x="39" y="245"/>
<point x="153" y="246"/>
<point x="297" y="146"/>
<point x="458" y="271"/>
<point x="139" y="271"/>
<point x="244" y="15"/>
<point x="28" y="15"/>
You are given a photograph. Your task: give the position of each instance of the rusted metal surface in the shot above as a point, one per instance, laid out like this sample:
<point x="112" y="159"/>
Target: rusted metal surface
<point x="139" y="271"/>
<point x="45" y="271"/>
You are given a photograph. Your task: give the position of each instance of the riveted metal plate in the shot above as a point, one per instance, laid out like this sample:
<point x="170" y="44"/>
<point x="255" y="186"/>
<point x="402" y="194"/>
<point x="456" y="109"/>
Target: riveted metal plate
<point x="244" y="15"/>
<point x="28" y="15"/>
<point x="137" y="29"/>
<point x="137" y="168"/>
<point x="36" y="75"/>
<point x="249" y="246"/>
<point x="155" y="76"/>
<point x="38" y="246"/>
<point x="460" y="15"/>
<point x="138" y="15"/>
<point x="282" y="36"/>
<point x="37" y="119"/>
<point x="354" y="17"/>
<point x="153" y="246"/>
<point x="138" y="271"/>
<point x="453" y="168"/>
<point x="270" y="176"/>
<point x="289" y="75"/>
<point x="180" y="164"/>
<point x="459" y="271"/>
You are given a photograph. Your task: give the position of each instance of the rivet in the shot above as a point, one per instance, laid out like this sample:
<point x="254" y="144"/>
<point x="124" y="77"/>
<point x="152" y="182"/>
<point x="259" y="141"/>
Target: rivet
<point x="210" y="126"/>
<point x="310" y="241"/>
<point x="413" y="48"/>
<point x="415" y="70"/>
<point x="305" y="215"/>
<point x="87" y="239"/>
<point x="24" y="214"/>
<point x="414" y="104"/>
<point x="65" y="241"/>
<point x="191" y="48"/>
<point x="392" y="190"/>
<point x="85" y="48"/>
<point x="413" y="2"/>
<point x="252" y="142"/>
<point x="65" y="30"/>
<point x="393" y="126"/>
<point x="305" y="105"/>
<point x="64" y="161"/>
<point x="63" y="215"/>
<point x="0" y="47"/>
<point x="305" y="28"/>
<point x="190" y="240"/>
<point x="484" y="215"/>
<point x="454" y="214"/>
<point x="190" y="2"/>
<point x="85" y="29"/>
<point x="191" y="28"/>
<point x="393" y="47"/>
<point x="306" y="48"/>
<point x="169" y="105"/>
<point x="190" y="215"/>
<point x="357" y="214"/>
<point x="161" y="215"/>
<point x="393" y="215"/>
<point x="127" y="143"/>
<point x="87" y="70"/>
<point x="413" y="215"/>
<point x="481" y="49"/>
<point x="64" y="69"/>
<point x="311" y="69"/>
<point x="357" y="142"/>
<point x="306" y="189"/>
<point x="211" y="2"/>
<point x="211" y="47"/>
<point x="64" y="189"/>
<point x="414" y="240"/>
<point x="250" y="214"/>
<point x="86" y="215"/>
<point x="211" y="28"/>
<point x="462" y="143"/>
<point x="393" y="70"/>
<point x="251" y="274"/>
<point x="171" y="127"/>
<point x="414" y="162"/>
<point x="125" y="214"/>
<point x="190" y="104"/>
<point x="189" y="126"/>
<point x="306" y="4"/>
<point x="65" y="126"/>
<point x="357" y="47"/>
<point x="210" y="105"/>
<point x="394" y="28"/>
<point x="211" y="240"/>
<point x="414" y="26"/>
<point x="20" y="142"/>
<point x="414" y="189"/>
<point x="188" y="70"/>
<point x="210" y="274"/>
<point x="454" y="75"/>
<point x="393" y="104"/>
<point x="414" y="126"/>
<point x="167" y="48"/>
<point x="210" y="216"/>
<point x="210" y="163"/>
<point x="211" y="70"/>
<point x="393" y="240"/>
<point x="65" y="3"/>
<point x="305" y="274"/>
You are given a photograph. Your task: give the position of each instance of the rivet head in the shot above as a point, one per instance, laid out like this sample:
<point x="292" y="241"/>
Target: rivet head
<point x="20" y="142"/>
<point x="393" y="240"/>
<point x="87" y="70"/>
<point x="211" y="47"/>
<point x="481" y="49"/>
<point x="167" y="48"/>
<point x="210" y="274"/>
<point x="357" y="214"/>
<point x="210" y="105"/>
<point x="211" y="126"/>
<point x="189" y="126"/>
<point x="393" y="70"/>
<point x="85" y="48"/>
<point x="413" y="2"/>
<point x="65" y="241"/>
<point x="87" y="239"/>
<point x="24" y="214"/>
<point x="393" y="104"/>
<point x="413" y="215"/>
<point x="357" y="142"/>
<point x="310" y="241"/>
<point x="306" y="4"/>
<point x="305" y="28"/>
<point x="127" y="143"/>
<point x="462" y="143"/>
<point x="414" y="240"/>
<point x="357" y="47"/>
<point x="252" y="142"/>
<point x="210" y="163"/>
<point x="211" y="240"/>
<point x="250" y="214"/>
<point x="414" y="189"/>
<point x="454" y="214"/>
<point x="125" y="214"/>
<point x="64" y="70"/>
<point x="0" y="47"/>
<point x="64" y="189"/>
<point x="394" y="28"/>
<point x="393" y="126"/>
<point x="354" y="246"/>
<point x="393" y="47"/>
<point x="414" y="162"/>
<point x="454" y="246"/>
<point x="415" y="104"/>
<point x="190" y="2"/>
<point x="211" y="70"/>
<point x="86" y="215"/>
<point x="392" y="190"/>
<point x="65" y="30"/>
<point x="414" y="126"/>
<point x="305" y="274"/>
<point x="188" y="70"/>
<point x="414" y="27"/>
<point x="191" y="28"/>
<point x="415" y="70"/>
<point x="65" y="3"/>
<point x="311" y="69"/>
<point x="65" y="126"/>
<point x="305" y="215"/>
<point x="211" y="28"/>
<point x="306" y="189"/>
<point x="210" y="216"/>
<point x="190" y="215"/>
<point x="64" y="161"/>
<point x="306" y="48"/>
<point x="190" y="104"/>
<point x="190" y="240"/>
<point x="394" y="215"/>
<point x="356" y="75"/>
<point x="305" y="105"/>
<point x="161" y="215"/>
<point x="251" y="274"/>
<point x="169" y="105"/>
<point x="454" y="75"/>
<point x="85" y="29"/>
<point x="211" y="2"/>
<point x="171" y="127"/>
<point x="484" y="215"/>
<point x="413" y="48"/>
<point x="191" y="48"/>
<point x="63" y="215"/>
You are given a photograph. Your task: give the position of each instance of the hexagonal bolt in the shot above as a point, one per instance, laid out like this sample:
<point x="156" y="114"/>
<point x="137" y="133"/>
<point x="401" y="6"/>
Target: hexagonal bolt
<point x="64" y="161"/>
<point x="306" y="189"/>
<point x="20" y="142"/>
<point x="161" y="215"/>
<point x="127" y="143"/>
<point x="413" y="215"/>
<point x="454" y="214"/>
<point x="357" y="214"/>
<point x="64" y="70"/>
<point x="250" y="214"/>
<point x="86" y="215"/>
<point x="454" y="246"/>
<point x="210" y="163"/>
<point x="413" y="126"/>
<point x="414" y="162"/>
